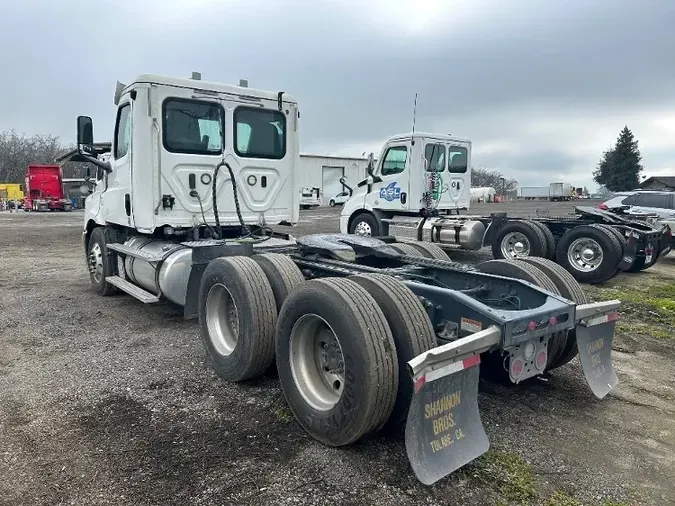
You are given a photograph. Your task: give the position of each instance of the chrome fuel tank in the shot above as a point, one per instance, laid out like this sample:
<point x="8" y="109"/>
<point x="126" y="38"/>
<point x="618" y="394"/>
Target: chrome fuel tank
<point x="171" y="280"/>
<point x="467" y="233"/>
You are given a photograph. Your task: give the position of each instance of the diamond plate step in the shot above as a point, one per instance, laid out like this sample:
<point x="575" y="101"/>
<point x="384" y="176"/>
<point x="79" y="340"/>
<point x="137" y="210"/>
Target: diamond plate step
<point x="133" y="290"/>
<point x="134" y="252"/>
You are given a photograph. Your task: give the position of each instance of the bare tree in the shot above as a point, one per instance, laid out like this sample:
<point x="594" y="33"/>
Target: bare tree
<point x="17" y="151"/>
<point x="493" y="178"/>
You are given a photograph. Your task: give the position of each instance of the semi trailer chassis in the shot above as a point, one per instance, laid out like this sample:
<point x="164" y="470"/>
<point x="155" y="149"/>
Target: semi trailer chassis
<point x="523" y="319"/>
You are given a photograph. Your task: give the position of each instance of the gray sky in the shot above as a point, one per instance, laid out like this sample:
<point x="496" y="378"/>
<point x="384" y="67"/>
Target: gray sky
<point x="541" y="87"/>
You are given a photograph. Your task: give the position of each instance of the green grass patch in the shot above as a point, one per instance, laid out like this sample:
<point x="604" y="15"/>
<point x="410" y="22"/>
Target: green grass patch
<point x="284" y="415"/>
<point x="560" y="498"/>
<point x="647" y="308"/>
<point x="510" y="474"/>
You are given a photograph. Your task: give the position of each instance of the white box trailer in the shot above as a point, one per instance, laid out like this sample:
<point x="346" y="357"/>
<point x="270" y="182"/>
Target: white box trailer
<point x="533" y="192"/>
<point x="560" y="191"/>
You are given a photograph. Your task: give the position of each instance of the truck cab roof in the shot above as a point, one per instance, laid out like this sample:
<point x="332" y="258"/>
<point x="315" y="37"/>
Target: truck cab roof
<point x="199" y="85"/>
<point x="426" y="135"/>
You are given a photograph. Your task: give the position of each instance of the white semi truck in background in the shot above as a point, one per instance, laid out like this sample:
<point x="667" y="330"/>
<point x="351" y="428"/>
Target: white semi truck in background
<point x="364" y="333"/>
<point x="421" y="182"/>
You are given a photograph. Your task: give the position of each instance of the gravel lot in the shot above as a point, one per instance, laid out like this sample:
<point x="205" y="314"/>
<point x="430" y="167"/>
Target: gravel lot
<point x="109" y="401"/>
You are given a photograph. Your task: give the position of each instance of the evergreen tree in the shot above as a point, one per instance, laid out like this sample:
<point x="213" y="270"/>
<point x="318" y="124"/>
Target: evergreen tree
<point x="619" y="169"/>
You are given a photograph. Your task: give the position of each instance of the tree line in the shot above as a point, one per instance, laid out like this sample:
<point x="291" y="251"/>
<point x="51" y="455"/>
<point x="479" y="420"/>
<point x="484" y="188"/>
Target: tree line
<point x="618" y="170"/>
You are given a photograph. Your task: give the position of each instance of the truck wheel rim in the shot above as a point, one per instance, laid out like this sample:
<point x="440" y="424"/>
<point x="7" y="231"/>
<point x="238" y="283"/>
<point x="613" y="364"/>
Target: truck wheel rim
<point x="362" y="228"/>
<point x="515" y="245"/>
<point x="222" y="319"/>
<point x="585" y="254"/>
<point x="317" y="363"/>
<point x="96" y="262"/>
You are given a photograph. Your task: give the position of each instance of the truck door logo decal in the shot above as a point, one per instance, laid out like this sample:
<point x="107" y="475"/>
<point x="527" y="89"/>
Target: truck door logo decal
<point x="391" y="192"/>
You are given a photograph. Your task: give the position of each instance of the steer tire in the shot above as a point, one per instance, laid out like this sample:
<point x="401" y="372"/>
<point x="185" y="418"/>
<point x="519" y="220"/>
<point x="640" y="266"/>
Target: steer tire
<point x="527" y="272"/>
<point x="410" y="326"/>
<point x="408" y="250"/>
<point x="102" y="236"/>
<point x="611" y="249"/>
<point x="282" y="273"/>
<point x="429" y="250"/>
<point x="570" y="289"/>
<point x="532" y="233"/>
<point x="370" y="366"/>
<point x="549" y="240"/>
<point x="242" y="281"/>
<point x="369" y="220"/>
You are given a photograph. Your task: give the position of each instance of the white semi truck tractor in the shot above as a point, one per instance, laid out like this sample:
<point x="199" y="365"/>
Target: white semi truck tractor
<point x="419" y="177"/>
<point x="363" y="335"/>
<point x="421" y="183"/>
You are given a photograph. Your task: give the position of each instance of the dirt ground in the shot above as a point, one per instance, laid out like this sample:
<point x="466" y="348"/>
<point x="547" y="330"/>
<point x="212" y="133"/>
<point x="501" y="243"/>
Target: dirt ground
<point x="109" y="401"/>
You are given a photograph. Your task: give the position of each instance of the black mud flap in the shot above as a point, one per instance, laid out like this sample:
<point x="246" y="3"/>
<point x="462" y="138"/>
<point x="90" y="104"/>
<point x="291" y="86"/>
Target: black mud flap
<point x="444" y="430"/>
<point x="594" y="339"/>
<point x="630" y="253"/>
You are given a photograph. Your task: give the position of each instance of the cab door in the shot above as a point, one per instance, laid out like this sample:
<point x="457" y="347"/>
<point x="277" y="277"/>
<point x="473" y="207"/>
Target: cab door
<point x="434" y="176"/>
<point x="459" y="177"/>
<point x="390" y="192"/>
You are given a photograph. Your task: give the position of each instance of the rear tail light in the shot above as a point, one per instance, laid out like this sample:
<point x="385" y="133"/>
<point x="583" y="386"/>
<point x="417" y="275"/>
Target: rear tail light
<point x="603" y="207"/>
<point x="540" y="361"/>
<point x="517" y="367"/>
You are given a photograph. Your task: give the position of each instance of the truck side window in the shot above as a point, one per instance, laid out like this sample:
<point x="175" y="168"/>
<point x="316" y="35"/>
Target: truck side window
<point x="394" y="160"/>
<point x="259" y="133"/>
<point x="458" y="160"/>
<point x="122" y="131"/>
<point x="192" y="126"/>
<point x="435" y="157"/>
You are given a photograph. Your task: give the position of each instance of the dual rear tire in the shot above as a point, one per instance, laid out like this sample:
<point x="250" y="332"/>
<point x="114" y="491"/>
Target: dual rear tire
<point x="590" y="253"/>
<point x="341" y="344"/>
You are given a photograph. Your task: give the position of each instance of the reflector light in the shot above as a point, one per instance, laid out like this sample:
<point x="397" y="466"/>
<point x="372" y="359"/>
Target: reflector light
<point x="529" y="350"/>
<point x="552" y="320"/>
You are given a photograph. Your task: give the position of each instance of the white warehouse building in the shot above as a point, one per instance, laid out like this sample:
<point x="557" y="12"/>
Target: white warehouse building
<point x="324" y="172"/>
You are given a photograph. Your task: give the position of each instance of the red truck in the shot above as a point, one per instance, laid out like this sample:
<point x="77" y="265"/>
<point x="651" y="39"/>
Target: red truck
<point x="44" y="189"/>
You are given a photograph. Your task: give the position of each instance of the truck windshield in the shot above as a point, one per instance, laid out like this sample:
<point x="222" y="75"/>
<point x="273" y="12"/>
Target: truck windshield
<point x="192" y="126"/>
<point x="259" y="133"/>
<point x="458" y="159"/>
